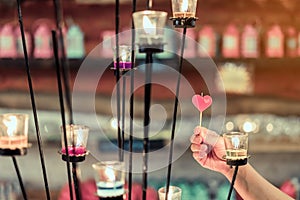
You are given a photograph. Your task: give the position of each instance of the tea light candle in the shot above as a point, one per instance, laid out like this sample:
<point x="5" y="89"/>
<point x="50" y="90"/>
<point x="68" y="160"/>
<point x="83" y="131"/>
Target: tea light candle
<point x="236" y="144"/>
<point x="149" y="26"/>
<point x="124" y="58"/>
<point x="77" y="136"/>
<point x="173" y="194"/>
<point x="13" y="131"/>
<point x="110" y="179"/>
<point x="184" y="8"/>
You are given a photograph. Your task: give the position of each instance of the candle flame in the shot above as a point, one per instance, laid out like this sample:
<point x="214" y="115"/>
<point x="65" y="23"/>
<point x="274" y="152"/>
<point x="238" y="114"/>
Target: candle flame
<point x="11" y="124"/>
<point x="123" y="55"/>
<point x="148" y="26"/>
<point x="109" y="172"/>
<point x="79" y="140"/>
<point x="236" y="142"/>
<point x="184" y="6"/>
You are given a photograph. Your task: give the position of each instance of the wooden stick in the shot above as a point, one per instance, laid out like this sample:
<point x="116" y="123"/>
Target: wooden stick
<point x="200" y="121"/>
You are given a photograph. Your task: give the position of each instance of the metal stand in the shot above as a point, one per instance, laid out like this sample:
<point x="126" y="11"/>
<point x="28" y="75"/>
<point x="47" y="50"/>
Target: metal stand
<point x="149" y="50"/>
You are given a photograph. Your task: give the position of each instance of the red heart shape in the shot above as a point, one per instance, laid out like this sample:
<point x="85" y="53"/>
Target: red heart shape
<point x="201" y="103"/>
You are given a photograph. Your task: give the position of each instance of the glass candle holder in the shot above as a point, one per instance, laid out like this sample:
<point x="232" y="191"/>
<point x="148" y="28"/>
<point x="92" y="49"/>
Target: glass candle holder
<point x="110" y="179"/>
<point x="149" y="26"/>
<point x="184" y="8"/>
<point x="13" y="131"/>
<point x="173" y="194"/>
<point x="77" y="136"/>
<point x="124" y="58"/>
<point x="236" y="144"/>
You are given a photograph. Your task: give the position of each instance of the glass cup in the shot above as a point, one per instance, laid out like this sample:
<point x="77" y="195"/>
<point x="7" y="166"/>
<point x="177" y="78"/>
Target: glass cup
<point x="13" y="131"/>
<point x="184" y="8"/>
<point x="173" y="194"/>
<point x="149" y="26"/>
<point x="124" y="57"/>
<point x="77" y="136"/>
<point x="236" y="144"/>
<point x="110" y="179"/>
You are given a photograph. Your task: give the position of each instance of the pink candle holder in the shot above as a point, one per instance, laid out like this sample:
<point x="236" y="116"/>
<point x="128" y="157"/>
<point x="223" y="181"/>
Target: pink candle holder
<point x="13" y="134"/>
<point x="125" y="62"/>
<point x="77" y="136"/>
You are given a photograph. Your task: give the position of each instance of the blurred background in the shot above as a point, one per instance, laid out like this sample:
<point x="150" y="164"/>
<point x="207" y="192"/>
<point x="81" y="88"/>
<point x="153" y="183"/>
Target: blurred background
<point x="255" y="45"/>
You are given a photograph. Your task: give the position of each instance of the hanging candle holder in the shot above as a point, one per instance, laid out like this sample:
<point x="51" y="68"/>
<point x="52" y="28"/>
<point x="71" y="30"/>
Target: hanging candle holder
<point x="77" y="136"/>
<point x="236" y="144"/>
<point x="184" y="13"/>
<point x="13" y="134"/>
<point x="110" y="179"/>
<point x="149" y="26"/>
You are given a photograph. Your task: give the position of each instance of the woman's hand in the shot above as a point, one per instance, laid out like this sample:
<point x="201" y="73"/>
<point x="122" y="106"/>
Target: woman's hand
<point x="208" y="149"/>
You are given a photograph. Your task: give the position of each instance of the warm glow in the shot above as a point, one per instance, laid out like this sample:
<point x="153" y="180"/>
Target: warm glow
<point x="79" y="137"/>
<point x="114" y="123"/>
<point x="123" y="55"/>
<point x="236" y="142"/>
<point x="109" y="172"/>
<point x="270" y="127"/>
<point x="185" y="6"/>
<point x="229" y="126"/>
<point x="249" y="127"/>
<point x="148" y="26"/>
<point x="11" y="125"/>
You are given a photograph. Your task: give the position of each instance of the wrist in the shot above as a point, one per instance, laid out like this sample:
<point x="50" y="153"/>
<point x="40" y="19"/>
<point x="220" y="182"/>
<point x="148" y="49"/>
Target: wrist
<point x="230" y="170"/>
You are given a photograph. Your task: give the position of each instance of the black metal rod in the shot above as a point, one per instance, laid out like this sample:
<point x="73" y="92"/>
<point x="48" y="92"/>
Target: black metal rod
<point x="62" y="109"/>
<point x="131" y="106"/>
<point x="38" y="135"/>
<point x="147" y="102"/>
<point x="76" y="181"/>
<point x="232" y="182"/>
<point x="66" y="79"/>
<point x="175" y="114"/>
<point x="117" y="73"/>
<point x="19" y="178"/>
<point x="64" y="60"/>
<point x="123" y="117"/>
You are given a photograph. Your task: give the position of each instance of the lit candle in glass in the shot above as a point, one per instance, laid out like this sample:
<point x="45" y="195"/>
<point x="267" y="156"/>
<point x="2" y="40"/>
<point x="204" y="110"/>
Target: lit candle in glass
<point x="236" y="144"/>
<point x="77" y="136"/>
<point x="149" y="26"/>
<point x="110" y="179"/>
<point x="184" y="8"/>
<point x="173" y="194"/>
<point x="13" y="131"/>
<point x="124" y="58"/>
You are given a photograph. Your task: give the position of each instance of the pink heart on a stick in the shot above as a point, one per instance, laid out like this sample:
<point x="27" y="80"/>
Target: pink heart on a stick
<point x="201" y="102"/>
